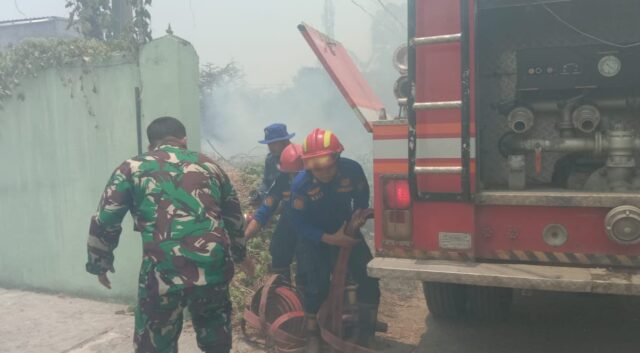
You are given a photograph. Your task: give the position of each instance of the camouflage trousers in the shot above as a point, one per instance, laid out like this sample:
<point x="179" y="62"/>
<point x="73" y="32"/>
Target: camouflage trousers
<point x="158" y="320"/>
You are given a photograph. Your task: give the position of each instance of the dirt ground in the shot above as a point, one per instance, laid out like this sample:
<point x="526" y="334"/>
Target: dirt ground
<point x="540" y="322"/>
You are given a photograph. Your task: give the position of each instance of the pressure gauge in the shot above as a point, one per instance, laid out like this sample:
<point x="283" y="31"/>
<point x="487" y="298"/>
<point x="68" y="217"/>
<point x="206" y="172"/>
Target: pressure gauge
<point x="609" y="66"/>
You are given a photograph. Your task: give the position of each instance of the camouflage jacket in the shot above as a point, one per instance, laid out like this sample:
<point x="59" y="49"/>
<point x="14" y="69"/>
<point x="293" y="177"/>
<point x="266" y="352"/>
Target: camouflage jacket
<point x="186" y="210"/>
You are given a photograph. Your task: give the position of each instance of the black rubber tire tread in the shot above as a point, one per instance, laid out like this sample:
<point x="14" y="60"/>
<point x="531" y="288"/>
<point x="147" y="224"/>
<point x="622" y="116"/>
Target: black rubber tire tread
<point x="489" y="303"/>
<point x="445" y="300"/>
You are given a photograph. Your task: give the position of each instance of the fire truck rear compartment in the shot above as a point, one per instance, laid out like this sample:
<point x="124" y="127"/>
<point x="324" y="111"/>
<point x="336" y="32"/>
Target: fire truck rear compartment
<point x="558" y="96"/>
<point x="558" y="126"/>
<point x="557" y="188"/>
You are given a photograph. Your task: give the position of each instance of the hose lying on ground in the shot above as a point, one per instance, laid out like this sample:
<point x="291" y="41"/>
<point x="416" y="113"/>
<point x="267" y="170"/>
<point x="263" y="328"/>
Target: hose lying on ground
<point x="276" y="314"/>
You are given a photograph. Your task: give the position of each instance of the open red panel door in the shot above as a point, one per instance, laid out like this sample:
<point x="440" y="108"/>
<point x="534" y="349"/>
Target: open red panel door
<point x="345" y="74"/>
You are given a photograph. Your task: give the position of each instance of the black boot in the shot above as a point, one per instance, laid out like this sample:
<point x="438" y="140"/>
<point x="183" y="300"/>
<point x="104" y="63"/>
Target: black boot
<point x="367" y="319"/>
<point x="313" y="333"/>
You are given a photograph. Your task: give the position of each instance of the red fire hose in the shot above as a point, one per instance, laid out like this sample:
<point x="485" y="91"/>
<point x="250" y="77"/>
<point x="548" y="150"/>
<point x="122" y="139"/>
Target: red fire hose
<point x="277" y="316"/>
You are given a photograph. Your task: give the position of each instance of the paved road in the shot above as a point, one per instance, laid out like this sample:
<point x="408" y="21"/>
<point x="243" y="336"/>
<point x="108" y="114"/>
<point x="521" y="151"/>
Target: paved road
<point x="41" y="323"/>
<point x="542" y="322"/>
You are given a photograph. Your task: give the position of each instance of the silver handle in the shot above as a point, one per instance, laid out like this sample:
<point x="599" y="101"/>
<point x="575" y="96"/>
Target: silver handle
<point x="437" y="105"/>
<point x="447" y="38"/>
<point x="438" y="170"/>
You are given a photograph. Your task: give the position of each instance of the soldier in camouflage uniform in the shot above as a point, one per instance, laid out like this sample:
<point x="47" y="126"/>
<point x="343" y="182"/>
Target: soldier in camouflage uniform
<point x="191" y="224"/>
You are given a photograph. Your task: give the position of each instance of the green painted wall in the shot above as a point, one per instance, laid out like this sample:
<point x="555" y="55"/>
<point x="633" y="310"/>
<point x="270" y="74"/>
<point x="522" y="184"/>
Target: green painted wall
<point x="169" y="68"/>
<point x="60" y="142"/>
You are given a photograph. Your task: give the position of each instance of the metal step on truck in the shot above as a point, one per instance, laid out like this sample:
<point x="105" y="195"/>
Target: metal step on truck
<point x="513" y="163"/>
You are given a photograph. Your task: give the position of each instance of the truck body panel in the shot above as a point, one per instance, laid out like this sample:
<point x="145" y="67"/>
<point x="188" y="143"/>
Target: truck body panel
<point x="517" y="146"/>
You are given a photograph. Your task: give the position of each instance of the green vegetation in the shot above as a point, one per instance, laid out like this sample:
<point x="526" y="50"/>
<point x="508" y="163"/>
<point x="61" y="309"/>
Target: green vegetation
<point x="30" y="57"/>
<point x="246" y="178"/>
<point x="95" y="19"/>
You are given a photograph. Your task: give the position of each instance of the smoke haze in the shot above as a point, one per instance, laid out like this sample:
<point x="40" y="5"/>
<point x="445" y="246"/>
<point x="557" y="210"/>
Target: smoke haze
<point x="235" y="114"/>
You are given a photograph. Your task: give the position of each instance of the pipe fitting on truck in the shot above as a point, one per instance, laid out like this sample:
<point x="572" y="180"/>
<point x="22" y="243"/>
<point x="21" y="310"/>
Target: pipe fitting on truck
<point x="565" y="125"/>
<point x="623" y="225"/>
<point x="513" y="144"/>
<point x="620" y="161"/>
<point x="586" y="118"/>
<point x="517" y="175"/>
<point x="520" y="120"/>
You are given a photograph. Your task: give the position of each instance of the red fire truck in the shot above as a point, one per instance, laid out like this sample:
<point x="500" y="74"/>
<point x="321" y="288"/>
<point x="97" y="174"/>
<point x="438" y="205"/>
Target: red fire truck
<point x="513" y="163"/>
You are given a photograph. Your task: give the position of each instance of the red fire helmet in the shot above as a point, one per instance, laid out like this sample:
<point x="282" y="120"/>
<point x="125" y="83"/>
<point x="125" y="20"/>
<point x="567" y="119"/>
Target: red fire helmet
<point x="320" y="148"/>
<point x="291" y="159"/>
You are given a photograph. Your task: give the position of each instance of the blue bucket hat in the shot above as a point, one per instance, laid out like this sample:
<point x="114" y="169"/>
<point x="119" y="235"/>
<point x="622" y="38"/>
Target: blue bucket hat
<point x="276" y="132"/>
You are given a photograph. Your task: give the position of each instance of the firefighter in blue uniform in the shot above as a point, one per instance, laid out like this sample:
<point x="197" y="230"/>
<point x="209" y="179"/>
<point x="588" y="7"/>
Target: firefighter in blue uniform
<point x="284" y="239"/>
<point x="324" y="197"/>
<point x="277" y="139"/>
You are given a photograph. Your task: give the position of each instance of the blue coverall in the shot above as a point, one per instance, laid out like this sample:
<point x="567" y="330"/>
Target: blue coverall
<point x="270" y="174"/>
<point x="322" y="208"/>
<point x="284" y="239"/>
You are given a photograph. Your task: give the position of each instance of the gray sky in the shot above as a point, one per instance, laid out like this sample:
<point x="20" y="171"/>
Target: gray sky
<point x="260" y="35"/>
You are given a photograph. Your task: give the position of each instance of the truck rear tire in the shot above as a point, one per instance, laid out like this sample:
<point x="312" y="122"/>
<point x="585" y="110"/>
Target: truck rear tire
<point x="489" y="303"/>
<point x="445" y="300"/>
